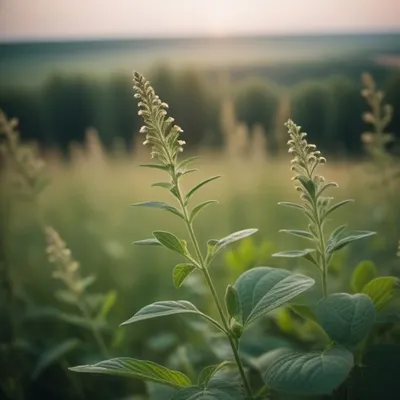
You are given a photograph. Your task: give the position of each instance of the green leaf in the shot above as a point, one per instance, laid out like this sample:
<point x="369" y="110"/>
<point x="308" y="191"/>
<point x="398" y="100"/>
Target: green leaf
<point x="84" y="283"/>
<point x="295" y="232"/>
<point x="263" y="289"/>
<point x="312" y="373"/>
<point x="138" y="369"/>
<point x="291" y="205"/>
<point x="346" y="318"/>
<point x="337" y="233"/>
<point x="165" y="308"/>
<point x="364" y="272"/>
<point x="147" y="242"/>
<point x="337" y="205"/>
<point x="165" y="185"/>
<point x="171" y="242"/>
<point x="187" y="161"/>
<point x="293" y="253"/>
<point x="67" y="297"/>
<point x="220" y="387"/>
<point x="107" y="305"/>
<point x="221" y="243"/>
<point x="181" y="272"/>
<point x="381" y="290"/>
<point x="53" y="354"/>
<point x="327" y="186"/>
<point x="156" y="166"/>
<point x="199" y="207"/>
<point x="208" y="372"/>
<point x="200" y="185"/>
<point x="232" y="302"/>
<point x="186" y="171"/>
<point x="342" y="242"/>
<point x="308" y="185"/>
<point x="160" y="205"/>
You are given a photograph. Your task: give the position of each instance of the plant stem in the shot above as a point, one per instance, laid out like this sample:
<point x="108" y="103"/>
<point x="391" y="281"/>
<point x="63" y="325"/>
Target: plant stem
<point x="211" y="286"/>
<point x="96" y="334"/>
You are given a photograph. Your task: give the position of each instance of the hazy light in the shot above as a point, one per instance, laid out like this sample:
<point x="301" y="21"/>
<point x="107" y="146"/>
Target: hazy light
<point x="30" y="19"/>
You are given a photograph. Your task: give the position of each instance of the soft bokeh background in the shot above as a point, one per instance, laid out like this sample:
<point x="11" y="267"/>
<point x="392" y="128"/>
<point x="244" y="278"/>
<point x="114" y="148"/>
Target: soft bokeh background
<point x="232" y="72"/>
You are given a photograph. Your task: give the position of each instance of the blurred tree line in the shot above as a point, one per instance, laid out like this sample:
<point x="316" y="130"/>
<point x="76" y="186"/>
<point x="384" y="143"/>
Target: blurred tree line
<point x="329" y="109"/>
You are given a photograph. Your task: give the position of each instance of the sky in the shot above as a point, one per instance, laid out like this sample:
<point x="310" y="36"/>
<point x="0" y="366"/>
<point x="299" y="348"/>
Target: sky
<point x="79" y="19"/>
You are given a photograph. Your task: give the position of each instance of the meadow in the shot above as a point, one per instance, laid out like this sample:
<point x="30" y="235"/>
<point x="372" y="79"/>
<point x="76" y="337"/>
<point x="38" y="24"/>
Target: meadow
<point x="236" y="128"/>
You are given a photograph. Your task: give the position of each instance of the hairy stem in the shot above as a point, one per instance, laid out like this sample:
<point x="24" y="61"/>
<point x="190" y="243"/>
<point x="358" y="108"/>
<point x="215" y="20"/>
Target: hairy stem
<point x="211" y="286"/>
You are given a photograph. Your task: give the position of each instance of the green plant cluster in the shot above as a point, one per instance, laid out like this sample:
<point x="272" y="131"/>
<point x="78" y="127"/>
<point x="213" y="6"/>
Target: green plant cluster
<point x="345" y="319"/>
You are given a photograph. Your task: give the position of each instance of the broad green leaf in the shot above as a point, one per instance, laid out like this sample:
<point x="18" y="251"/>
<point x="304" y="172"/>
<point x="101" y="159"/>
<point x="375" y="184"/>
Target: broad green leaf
<point x="381" y="290"/>
<point x="171" y="242"/>
<point x="208" y="372"/>
<point x="342" y="242"/>
<point x="232" y="302"/>
<point x="138" y="369"/>
<point x="156" y="166"/>
<point x="364" y="272"/>
<point x="337" y="205"/>
<point x="312" y="373"/>
<point x="147" y="242"/>
<point x="107" y="305"/>
<point x="295" y="232"/>
<point x="165" y="185"/>
<point x="160" y="205"/>
<point x="263" y="289"/>
<point x="199" y="207"/>
<point x="293" y="253"/>
<point x="53" y="354"/>
<point x="221" y="243"/>
<point x="346" y="318"/>
<point x="165" y="308"/>
<point x="200" y="185"/>
<point x="181" y="272"/>
<point x="220" y="387"/>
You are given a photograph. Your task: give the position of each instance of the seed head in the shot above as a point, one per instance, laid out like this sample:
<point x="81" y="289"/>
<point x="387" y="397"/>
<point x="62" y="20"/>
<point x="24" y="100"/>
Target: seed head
<point x="161" y="134"/>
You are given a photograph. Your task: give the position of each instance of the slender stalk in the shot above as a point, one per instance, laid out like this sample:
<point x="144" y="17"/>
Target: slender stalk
<point x="211" y="286"/>
<point x="96" y="334"/>
<point x="321" y="240"/>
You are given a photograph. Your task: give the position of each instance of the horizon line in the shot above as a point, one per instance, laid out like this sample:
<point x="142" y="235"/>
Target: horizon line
<point x="90" y="38"/>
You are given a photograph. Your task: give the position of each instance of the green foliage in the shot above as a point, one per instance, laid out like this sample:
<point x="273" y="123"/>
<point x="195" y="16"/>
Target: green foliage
<point x="313" y="373"/>
<point x="381" y="290"/>
<point x="364" y="272"/>
<point x="138" y="369"/>
<point x="181" y="272"/>
<point x="256" y="292"/>
<point x="346" y="318"/>
<point x="275" y="327"/>
<point x="256" y="103"/>
<point x="263" y="289"/>
<point x="217" y="388"/>
<point x="53" y="355"/>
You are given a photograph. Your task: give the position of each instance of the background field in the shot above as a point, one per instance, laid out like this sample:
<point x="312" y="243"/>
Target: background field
<point x="231" y="96"/>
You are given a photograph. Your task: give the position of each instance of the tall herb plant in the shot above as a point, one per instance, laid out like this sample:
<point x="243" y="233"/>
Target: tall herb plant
<point x="345" y="318"/>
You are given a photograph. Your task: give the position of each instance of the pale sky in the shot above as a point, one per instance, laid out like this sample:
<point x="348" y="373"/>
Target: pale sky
<point x="60" y="19"/>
